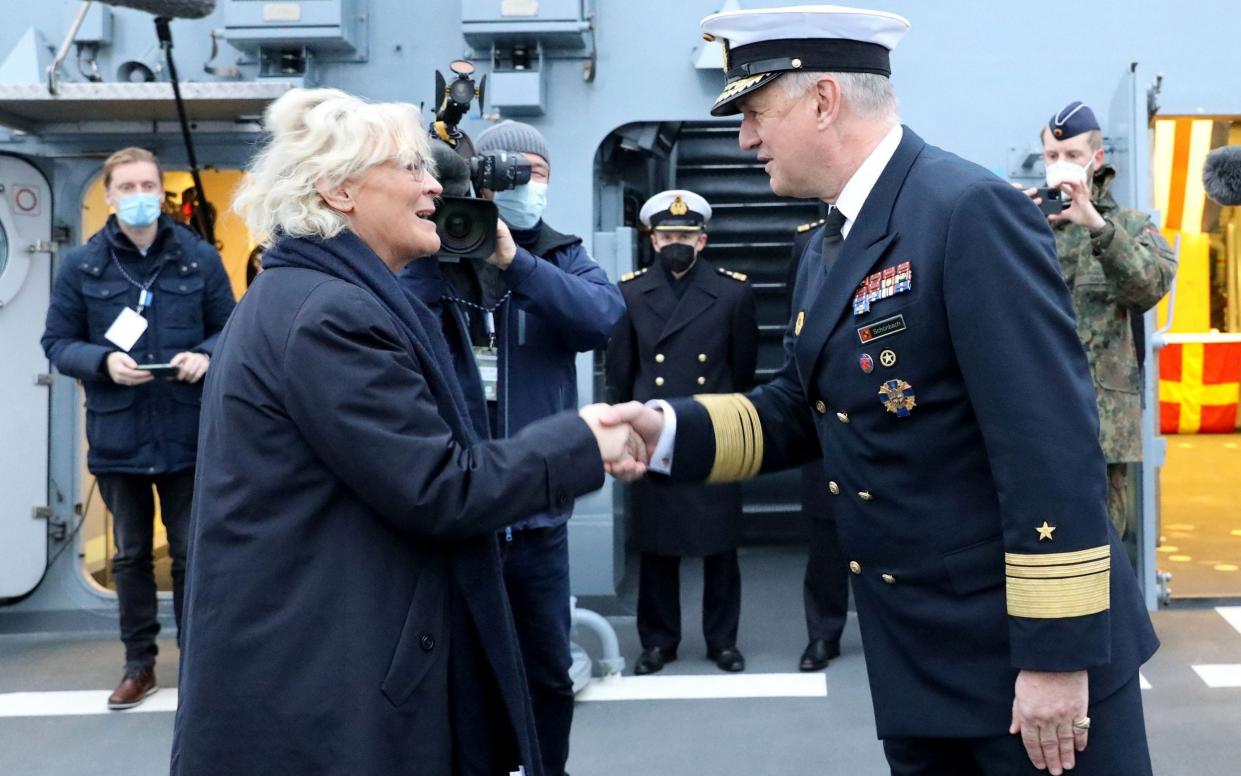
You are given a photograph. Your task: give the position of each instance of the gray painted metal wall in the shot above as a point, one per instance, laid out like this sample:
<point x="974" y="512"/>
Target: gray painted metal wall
<point x="978" y="78"/>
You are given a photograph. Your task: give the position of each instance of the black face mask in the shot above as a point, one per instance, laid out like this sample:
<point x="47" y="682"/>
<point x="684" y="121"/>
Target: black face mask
<point x="677" y="257"/>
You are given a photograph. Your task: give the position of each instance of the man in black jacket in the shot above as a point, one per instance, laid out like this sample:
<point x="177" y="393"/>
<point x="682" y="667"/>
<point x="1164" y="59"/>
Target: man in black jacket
<point x="690" y="329"/>
<point x="825" y="589"/>
<point x="143" y="292"/>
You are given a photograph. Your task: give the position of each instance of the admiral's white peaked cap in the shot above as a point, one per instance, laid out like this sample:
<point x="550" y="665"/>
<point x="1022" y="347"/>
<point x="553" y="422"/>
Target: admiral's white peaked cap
<point x="760" y="45"/>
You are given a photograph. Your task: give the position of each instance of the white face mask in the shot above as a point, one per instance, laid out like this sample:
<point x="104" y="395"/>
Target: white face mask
<point x="1061" y="171"/>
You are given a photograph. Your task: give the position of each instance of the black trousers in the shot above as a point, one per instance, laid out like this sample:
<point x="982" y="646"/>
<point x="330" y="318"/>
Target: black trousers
<point x="536" y="575"/>
<point x="659" y="600"/>
<point x="826" y="587"/>
<point x="131" y="499"/>
<point x="1116" y="745"/>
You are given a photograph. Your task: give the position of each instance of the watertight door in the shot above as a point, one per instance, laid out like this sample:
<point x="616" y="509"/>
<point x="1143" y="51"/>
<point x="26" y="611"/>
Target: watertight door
<point x="25" y="287"/>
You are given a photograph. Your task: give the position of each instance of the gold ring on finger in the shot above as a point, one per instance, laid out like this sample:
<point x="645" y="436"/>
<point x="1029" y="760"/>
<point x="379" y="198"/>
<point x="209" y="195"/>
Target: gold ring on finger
<point x="1082" y="724"/>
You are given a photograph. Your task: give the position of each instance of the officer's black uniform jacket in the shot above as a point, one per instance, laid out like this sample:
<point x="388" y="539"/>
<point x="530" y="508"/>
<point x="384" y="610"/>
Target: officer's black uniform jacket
<point x="938" y="511"/>
<point x="706" y="341"/>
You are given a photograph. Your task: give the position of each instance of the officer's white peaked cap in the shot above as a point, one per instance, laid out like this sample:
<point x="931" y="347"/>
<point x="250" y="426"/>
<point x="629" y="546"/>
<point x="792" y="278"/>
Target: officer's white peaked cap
<point x="675" y="210"/>
<point x="760" y="45"/>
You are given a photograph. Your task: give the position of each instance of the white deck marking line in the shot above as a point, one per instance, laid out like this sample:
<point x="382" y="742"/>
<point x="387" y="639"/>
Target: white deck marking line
<point x="1232" y="614"/>
<point x="670" y="688"/>
<point x="1142" y="681"/>
<point x="78" y="703"/>
<point x="1220" y="675"/>
<point x="628" y="688"/>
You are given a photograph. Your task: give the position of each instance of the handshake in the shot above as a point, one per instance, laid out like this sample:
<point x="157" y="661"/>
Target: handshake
<point x="626" y="435"/>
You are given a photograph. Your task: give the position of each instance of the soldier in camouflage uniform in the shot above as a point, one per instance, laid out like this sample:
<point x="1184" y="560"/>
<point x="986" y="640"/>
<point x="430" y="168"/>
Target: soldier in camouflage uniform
<point x="1117" y="264"/>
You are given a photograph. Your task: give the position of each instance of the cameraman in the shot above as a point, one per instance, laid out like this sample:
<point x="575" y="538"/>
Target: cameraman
<point x="555" y="302"/>
<point x="1116" y="264"/>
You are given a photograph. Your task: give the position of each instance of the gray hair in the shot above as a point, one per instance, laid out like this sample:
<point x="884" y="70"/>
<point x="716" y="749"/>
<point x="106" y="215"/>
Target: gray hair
<point x="870" y="95"/>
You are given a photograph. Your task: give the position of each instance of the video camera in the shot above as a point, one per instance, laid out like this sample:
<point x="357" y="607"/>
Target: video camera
<point x="467" y="225"/>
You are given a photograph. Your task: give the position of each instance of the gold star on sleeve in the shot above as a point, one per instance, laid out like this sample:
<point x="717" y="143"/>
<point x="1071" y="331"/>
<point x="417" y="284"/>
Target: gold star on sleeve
<point x="1044" y="531"/>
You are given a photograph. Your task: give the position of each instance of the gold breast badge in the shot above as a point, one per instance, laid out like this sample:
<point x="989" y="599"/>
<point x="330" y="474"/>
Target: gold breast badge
<point x="897" y="397"/>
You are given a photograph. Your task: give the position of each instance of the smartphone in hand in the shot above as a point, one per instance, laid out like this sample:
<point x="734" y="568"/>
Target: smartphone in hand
<point x="166" y="371"/>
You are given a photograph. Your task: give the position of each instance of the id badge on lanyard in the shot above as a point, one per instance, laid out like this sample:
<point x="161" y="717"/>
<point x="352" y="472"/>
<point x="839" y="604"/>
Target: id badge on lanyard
<point x="488" y="361"/>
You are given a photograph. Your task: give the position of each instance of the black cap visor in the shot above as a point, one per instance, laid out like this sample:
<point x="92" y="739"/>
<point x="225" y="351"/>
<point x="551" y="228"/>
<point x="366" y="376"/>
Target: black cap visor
<point x="758" y="64"/>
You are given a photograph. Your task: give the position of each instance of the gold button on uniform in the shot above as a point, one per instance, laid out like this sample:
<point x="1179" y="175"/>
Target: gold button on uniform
<point x="820" y="407"/>
<point x="702" y="358"/>
<point x="659" y="358"/>
<point x="855" y="567"/>
<point x="891" y="580"/>
<point x="833" y="488"/>
<point x="659" y="381"/>
<point x="702" y="381"/>
<point x="843" y="417"/>
<point x="865" y="495"/>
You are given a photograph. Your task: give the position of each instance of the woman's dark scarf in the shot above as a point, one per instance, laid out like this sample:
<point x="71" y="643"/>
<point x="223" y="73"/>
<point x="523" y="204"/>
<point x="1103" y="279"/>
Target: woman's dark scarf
<point x="347" y="257"/>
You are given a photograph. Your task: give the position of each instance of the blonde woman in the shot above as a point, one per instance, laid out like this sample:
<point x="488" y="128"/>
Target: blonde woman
<point x="345" y="610"/>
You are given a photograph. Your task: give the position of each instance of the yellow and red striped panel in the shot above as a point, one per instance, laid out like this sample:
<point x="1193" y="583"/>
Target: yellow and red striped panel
<point x="1199" y="387"/>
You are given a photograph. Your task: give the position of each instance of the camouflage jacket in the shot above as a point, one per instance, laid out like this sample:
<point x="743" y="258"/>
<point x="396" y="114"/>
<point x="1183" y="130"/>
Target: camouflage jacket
<point x="1111" y="278"/>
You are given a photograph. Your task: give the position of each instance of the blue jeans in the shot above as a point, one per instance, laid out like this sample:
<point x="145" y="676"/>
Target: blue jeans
<point x="536" y="574"/>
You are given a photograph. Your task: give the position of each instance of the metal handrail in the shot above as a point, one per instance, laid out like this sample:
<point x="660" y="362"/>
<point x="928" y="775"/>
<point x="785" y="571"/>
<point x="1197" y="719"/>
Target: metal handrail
<point x="53" y="70"/>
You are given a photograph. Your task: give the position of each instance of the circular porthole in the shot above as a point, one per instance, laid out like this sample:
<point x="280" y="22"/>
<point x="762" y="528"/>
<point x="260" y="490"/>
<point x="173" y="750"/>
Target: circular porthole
<point x="4" y="249"/>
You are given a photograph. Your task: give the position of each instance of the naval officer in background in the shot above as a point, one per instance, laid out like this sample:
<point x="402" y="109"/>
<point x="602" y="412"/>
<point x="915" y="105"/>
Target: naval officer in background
<point x="690" y="328"/>
<point x="1003" y="627"/>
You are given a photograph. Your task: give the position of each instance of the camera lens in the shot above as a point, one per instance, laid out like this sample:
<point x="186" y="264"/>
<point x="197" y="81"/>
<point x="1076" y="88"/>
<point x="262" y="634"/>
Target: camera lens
<point x="457" y="226"/>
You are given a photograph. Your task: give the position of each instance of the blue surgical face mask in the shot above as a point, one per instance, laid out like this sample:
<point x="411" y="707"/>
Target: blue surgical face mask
<point x="523" y="206"/>
<point x="138" y="210"/>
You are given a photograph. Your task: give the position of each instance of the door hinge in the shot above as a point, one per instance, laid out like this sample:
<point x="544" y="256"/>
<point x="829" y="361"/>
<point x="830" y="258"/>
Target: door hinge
<point x="42" y="246"/>
<point x="43" y="378"/>
<point x="41" y="513"/>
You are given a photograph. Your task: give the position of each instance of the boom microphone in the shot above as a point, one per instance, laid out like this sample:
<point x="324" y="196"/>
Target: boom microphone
<point x="172" y="9"/>
<point x="1221" y="175"/>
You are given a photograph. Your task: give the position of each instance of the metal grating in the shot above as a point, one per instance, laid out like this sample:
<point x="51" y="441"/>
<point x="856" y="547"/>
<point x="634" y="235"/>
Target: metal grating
<point x="752" y="232"/>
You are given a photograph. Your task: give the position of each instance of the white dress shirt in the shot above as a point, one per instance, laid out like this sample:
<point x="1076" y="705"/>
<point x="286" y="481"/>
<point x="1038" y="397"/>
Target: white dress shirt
<point x="852" y="197"/>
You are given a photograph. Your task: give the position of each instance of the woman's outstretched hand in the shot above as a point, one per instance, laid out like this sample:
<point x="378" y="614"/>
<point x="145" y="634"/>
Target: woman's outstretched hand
<point x="623" y="450"/>
<point x="647" y="424"/>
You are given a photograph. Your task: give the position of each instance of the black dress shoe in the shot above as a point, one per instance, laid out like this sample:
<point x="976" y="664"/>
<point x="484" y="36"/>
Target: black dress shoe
<point x="653" y="660"/>
<point x="818" y="654"/>
<point x="728" y="659"/>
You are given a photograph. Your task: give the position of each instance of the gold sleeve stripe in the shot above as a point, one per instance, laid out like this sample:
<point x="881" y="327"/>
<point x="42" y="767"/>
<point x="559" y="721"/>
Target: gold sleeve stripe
<point x="1057" y="558"/>
<point x="1046" y="599"/>
<point x="738" y="436"/>
<point x="1059" y="572"/>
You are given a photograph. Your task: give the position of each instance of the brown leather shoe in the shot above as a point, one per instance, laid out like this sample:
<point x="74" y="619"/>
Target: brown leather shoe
<point x="137" y="685"/>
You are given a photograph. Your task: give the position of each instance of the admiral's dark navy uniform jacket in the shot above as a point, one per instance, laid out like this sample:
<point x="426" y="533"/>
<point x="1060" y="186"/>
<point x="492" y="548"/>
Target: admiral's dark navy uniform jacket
<point x="705" y="341"/>
<point x="150" y="428"/>
<point x="968" y="483"/>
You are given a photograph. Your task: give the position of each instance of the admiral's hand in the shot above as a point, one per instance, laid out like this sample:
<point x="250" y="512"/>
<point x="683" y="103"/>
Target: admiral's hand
<point x="190" y="366"/>
<point x="1045" y="705"/>
<point x="124" y="370"/>
<point x="1081" y="210"/>
<point x="506" y="248"/>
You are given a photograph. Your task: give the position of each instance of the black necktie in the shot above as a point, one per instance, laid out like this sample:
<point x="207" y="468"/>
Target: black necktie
<point x="833" y="239"/>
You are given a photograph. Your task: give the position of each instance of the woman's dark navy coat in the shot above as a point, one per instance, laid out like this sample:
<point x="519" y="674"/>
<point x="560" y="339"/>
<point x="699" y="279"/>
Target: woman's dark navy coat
<point x="344" y="541"/>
